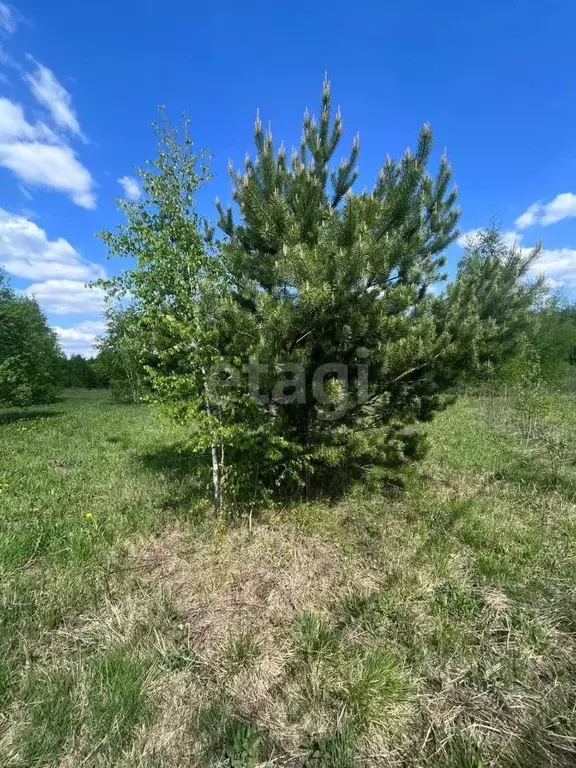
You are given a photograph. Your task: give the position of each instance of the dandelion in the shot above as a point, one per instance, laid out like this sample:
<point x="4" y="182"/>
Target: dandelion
<point x="89" y="515"/>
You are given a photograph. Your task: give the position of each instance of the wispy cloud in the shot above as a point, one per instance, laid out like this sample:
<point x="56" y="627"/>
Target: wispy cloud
<point x="37" y="153"/>
<point x="15" y="127"/>
<point x="27" y="252"/>
<point x="529" y="217"/>
<point x="8" y="22"/>
<point x="563" y="206"/>
<point x="8" y="62"/>
<point x="55" y="167"/>
<point x="131" y="187"/>
<point x="52" y="95"/>
<point x="25" y="192"/>
<point x="37" y="156"/>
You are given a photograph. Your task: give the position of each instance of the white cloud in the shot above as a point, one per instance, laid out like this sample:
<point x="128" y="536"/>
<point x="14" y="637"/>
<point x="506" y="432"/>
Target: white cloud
<point x="55" y="167"/>
<point x="68" y="297"/>
<point x="15" y="127"/>
<point x="40" y="158"/>
<point x="8" y="62"/>
<point x="79" y="339"/>
<point x="529" y="217"/>
<point x="52" y="95"/>
<point x="559" y="266"/>
<point x="511" y="237"/>
<point x="8" y="21"/>
<point x="26" y="251"/>
<point x="563" y="206"/>
<point x="131" y="187"/>
<point x="85" y="331"/>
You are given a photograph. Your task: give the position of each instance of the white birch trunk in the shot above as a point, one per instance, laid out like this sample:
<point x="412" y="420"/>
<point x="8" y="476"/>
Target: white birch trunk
<point x="214" y="450"/>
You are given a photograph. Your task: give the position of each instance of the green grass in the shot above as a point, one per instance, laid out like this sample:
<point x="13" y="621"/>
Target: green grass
<point x="432" y="627"/>
<point x="49" y="698"/>
<point x="370" y="684"/>
<point x="314" y="637"/>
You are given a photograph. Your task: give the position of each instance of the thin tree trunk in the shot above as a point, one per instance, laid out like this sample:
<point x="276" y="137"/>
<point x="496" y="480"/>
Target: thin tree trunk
<point x="216" y="476"/>
<point x="214" y="450"/>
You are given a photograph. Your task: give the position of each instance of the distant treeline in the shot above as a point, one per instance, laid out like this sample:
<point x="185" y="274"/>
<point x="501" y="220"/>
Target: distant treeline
<point x="33" y="367"/>
<point x="86" y="373"/>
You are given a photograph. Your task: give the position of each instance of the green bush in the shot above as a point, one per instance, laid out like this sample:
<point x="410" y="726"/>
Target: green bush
<point x="30" y="358"/>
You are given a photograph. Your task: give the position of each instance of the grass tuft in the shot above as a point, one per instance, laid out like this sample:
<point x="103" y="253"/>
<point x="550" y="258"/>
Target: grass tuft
<point x="314" y="638"/>
<point x="365" y="611"/>
<point x="243" y="742"/>
<point x="372" y="683"/>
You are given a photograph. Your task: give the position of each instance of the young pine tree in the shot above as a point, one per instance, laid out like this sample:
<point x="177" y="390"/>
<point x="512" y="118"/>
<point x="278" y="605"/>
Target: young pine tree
<point x="331" y="278"/>
<point x="494" y="278"/>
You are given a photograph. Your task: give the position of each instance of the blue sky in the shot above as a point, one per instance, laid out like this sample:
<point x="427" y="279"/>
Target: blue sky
<point x="80" y="83"/>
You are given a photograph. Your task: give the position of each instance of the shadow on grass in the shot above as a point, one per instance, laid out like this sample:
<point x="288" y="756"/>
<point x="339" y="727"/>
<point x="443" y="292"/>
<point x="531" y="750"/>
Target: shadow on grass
<point x="188" y="475"/>
<point x="185" y="472"/>
<point x="9" y="417"/>
<point x="177" y="463"/>
<point x="333" y="486"/>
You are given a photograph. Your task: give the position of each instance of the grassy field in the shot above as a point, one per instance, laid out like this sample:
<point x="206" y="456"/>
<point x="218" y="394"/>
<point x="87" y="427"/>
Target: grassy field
<point x="433" y="626"/>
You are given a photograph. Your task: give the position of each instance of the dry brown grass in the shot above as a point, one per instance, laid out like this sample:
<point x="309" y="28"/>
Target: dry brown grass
<point x="251" y="586"/>
<point x="259" y="580"/>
